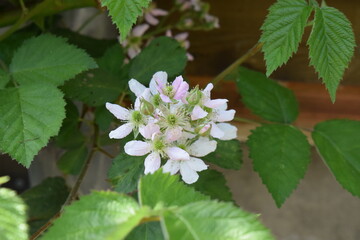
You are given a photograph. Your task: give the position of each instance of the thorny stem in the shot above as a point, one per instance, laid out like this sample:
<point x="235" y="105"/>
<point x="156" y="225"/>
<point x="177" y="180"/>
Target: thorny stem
<point x="255" y="49"/>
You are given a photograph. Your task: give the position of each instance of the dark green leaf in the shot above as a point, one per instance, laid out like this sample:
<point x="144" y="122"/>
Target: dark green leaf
<point x="4" y="78"/>
<point x="281" y="155"/>
<point x="266" y="98"/>
<point x="72" y="160"/>
<point x="338" y="142"/>
<point x="103" y="118"/>
<point x="147" y="231"/>
<point x="112" y="60"/>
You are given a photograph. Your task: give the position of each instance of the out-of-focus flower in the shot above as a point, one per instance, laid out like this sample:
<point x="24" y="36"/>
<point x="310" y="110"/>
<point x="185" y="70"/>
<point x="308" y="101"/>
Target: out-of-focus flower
<point x="182" y="38"/>
<point x="133" y="42"/>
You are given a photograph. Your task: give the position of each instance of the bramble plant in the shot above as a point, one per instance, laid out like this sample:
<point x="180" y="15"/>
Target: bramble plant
<point x="131" y="92"/>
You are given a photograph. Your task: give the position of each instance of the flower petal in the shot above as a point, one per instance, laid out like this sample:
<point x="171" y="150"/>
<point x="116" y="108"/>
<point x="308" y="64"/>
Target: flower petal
<point x="187" y="173"/>
<point x="176" y="153"/>
<point x="230" y="131"/>
<point x="118" y="111"/>
<point x="181" y="88"/>
<point x="173" y="134"/>
<point x="202" y="147"/>
<point x="121" y="131"/>
<point x="216" y="132"/>
<point x="137" y="148"/>
<point x="158" y="78"/>
<point x="136" y="87"/>
<point x="171" y="166"/>
<point x="207" y="89"/>
<point x="148" y="130"/>
<point x="224" y="116"/>
<point x="215" y="103"/>
<point x="198" y="113"/>
<point x="197" y="164"/>
<point x="152" y="162"/>
<point x="151" y="19"/>
<point x="159" y="12"/>
<point x="140" y="30"/>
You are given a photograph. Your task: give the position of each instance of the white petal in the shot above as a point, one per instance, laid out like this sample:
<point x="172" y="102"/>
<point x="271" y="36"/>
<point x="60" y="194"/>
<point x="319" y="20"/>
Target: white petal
<point x="136" y="87"/>
<point x="159" y="12"/>
<point x="173" y="134"/>
<point x="188" y="174"/>
<point x="158" y="77"/>
<point x="137" y="148"/>
<point x="176" y="153"/>
<point x="216" y="132"/>
<point x="230" y="131"/>
<point x="121" y="131"/>
<point x="151" y="19"/>
<point x="140" y="30"/>
<point x="208" y="89"/>
<point x="198" y="113"/>
<point x="215" y="103"/>
<point x="197" y="164"/>
<point x="181" y="36"/>
<point x="171" y="166"/>
<point x="118" y="111"/>
<point x="224" y="116"/>
<point x="222" y="107"/>
<point x="148" y="130"/>
<point x="202" y="147"/>
<point x="152" y="162"/>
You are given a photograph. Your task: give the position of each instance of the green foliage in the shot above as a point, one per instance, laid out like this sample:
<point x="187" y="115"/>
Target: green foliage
<point x="162" y="54"/>
<point x="166" y="189"/>
<point x="44" y="201"/>
<point x="331" y="46"/>
<point x="112" y="60"/>
<point x="103" y="118"/>
<point x="282" y="31"/>
<point x="228" y="154"/>
<point x="100" y="215"/>
<point x="72" y="160"/>
<point x="338" y="142"/>
<point x="4" y="78"/>
<point x="124" y="13"/>
<point x="280" y="155"/>
<point x="125" y="172"/>
<point x="4" y="179"/>
<point x="213" y="184"/>
<point x="47" y="58"/>
<point x="27" y="121"/>
<point x="266" y="98"/>
<point x="12" y="216"/>
<point x="147" y="231"/>
<point x="213" y="220"/>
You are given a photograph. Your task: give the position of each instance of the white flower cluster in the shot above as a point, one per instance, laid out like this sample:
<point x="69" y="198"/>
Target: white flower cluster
<point x="178" y="125"/>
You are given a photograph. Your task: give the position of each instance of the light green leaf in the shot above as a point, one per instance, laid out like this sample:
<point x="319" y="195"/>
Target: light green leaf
<point x="30" y="115"/>
<point x="338" y="142"/>
<point x="47" y="58"/>
<point x="4" y="78"/>
<point x="125" y="172"/>
<point x="147" y="231"/>
<point x="4" y="179"/>
<point x="163" y="54"/>
<point x="213" y="220"/>
<point x="44" y="201"/>
<point x="72" y="160"/>
<point x="266" y="98"/>
<point x="166" y="189"/>
<point x="281" y="155"/>
<point x="100" y="215"/>
<point x="124" y="13"/>
<point x="331" y="46"/>
<point x="228" y="154"/>
<point x="282" y="31"/>
<point x="12" y="216"/>
<point x="213" y="183"/>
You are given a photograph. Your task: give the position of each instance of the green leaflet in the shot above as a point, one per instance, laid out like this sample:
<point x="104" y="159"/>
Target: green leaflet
<point x="338" y="142"/>
<point x="281" y="155"/>
<point x="147" y="231"/>
<point x="30" y="115"/>
<point x="124" y="13"/>
<point x="47" y="58"/>
<point x="266" y="98"/>
<point x="12" y="216"/>
<point x="331" y="46"/>
<point x="282" y="31"/>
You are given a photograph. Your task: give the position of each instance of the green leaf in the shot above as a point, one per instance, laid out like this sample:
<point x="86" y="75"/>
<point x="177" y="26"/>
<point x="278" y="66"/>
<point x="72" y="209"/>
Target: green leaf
<point x="166" y="189"/>
<point x="30" y="115"/>
<point x="213" y="184"/>
<point x="124" y="13"/>
<point x="44" y="201"/>
<point x="147" y="231"/>
<point x="213" y="220"/>
<point x="338" y="142"/>
<point x="228" y="154"/>
<point x="4" y="179"/>
<point x="282" y="31"/>
<point x="4" y="78"/>
<point x="12" y="216"/>
<point x="112" y="60"/>
<point x="47" y="58"/>
<point x="72" y="160"/>
<point x="103" y="118"/>
<point x="100" y="215"/>
<point x="331" y="46"/>
<point x="281" y="155"/>
<point x="125" y="172"/>
<point x="162" y="54"/>
<point x="266" y="98"/>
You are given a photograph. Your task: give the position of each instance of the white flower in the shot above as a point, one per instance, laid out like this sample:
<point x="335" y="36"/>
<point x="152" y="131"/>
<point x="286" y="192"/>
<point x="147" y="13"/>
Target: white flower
<point x="134" y="40"/>
<point x="152" y="12"/>
<point x="188" y="168"/>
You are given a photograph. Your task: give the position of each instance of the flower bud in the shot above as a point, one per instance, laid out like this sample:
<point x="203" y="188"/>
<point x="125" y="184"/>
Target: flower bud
<point x="194" y="96"/>
<point x="146" y="107"/>
<point x="203" y="130"/>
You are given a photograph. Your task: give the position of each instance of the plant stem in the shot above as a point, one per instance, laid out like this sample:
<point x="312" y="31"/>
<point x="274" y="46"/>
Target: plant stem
<point x="246" y="120"/>
<point x="255" y="49"/>
<point x="150" y="219"/>
<point x="88" y="21"/>
<point x="104" y="152"/>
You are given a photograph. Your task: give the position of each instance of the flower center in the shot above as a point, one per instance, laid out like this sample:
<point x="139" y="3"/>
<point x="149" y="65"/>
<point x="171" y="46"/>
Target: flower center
<point x="171" y="120"/>
<point x="156" y="100"/>
<point x="158" y="145"/>
<point x="168" y="91"/>
<point x="136" y="117"/>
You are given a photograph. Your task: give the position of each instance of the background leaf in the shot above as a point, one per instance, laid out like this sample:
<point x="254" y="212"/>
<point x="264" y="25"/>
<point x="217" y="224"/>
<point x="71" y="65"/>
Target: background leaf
<point x="112" y="60"/>
<point x="72" y="160"/>
<point x="281" y="155"/>
<point x="30" y="115"/>
<point x="331" y="46"/>
<point x="103" y="118"/>
<point x="282" y="31"/>
<point x="170" y="57"/>
<point x="147" y="231"/>
<point x="4" y="78"/>
<point x="266" y="98"/>
<point x="338" y="142"/>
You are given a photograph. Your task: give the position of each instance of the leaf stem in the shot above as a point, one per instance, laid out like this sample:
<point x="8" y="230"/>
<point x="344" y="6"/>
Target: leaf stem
<point x="103" y="151"/>
<point x="255" y="49"/>
<point x="88" y="21"/>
